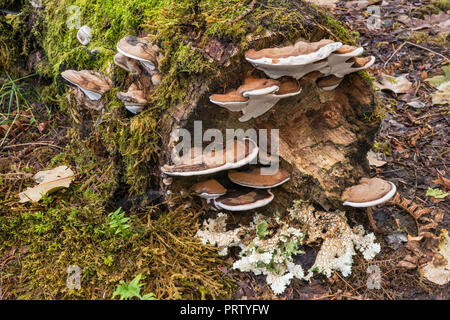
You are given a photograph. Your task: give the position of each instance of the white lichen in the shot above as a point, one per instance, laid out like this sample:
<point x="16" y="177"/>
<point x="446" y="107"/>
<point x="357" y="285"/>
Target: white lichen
<point x="268" y="245"/>
<point x="215" y="233"/>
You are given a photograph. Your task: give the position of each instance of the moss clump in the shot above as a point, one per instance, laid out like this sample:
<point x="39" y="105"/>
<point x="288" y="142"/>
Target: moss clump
<point x="17" y="41"/>
<point x="63" y="233"/>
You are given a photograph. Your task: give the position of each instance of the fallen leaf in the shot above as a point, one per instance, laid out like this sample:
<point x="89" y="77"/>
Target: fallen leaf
<point x="395" y="84"/>
<point x="49" y="181"/>
<point x="438" y="80"/>
<point x="373" y="161"/>
<point x="442" y="95"/>
<point x="437" y="22"/>
<point x="443" y="182"/>
<point x="439" y="274"/>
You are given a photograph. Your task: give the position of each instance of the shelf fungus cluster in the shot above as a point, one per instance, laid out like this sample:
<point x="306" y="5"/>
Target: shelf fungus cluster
<point x="256" y="96"/>
<point x="137" y="55"/>
<point x="332" y="59"/>
<point x="252" y="187"/>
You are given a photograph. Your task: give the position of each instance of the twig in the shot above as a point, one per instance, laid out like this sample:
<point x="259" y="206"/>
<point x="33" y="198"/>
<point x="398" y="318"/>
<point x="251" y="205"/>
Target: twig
<point x="424" y="48"/>
<point x="246" y="12"/>
<point x="415" y="45"/>
<point x="31" y="144"/>
<point x="395" y="52"/>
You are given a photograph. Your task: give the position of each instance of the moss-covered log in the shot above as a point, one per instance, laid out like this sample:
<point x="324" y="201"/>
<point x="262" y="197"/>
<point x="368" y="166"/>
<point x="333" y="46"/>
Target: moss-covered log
<point x="324" y="135"/>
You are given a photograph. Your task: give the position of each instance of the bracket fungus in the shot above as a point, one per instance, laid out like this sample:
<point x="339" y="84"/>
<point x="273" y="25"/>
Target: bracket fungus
<point x="141" y="49"/>
<point x="256" y="96"/>
<point x="92" y="83"/>
<point x="255" y="178"/>
<point x="325" y="56"/>
<point x="128" y="64"/>
<point x="329" y="83"/>
<point x="369" y="193"/>
<point x="134" y="99"/>
<point x="244" y="199"/>
<point x="209" y="189"/>
<point x="84" y="35"/>
<point x="234" y="155"/>
<point x="351" y="65"/>
<point x="296" y="60"/>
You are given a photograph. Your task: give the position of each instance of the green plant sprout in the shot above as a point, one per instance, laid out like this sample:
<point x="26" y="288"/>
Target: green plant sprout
<point x="117" y="223"/>
<point x="132" y="290"/>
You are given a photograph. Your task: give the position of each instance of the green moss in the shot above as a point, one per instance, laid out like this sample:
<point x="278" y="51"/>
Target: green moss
<point x="16" y="41"/>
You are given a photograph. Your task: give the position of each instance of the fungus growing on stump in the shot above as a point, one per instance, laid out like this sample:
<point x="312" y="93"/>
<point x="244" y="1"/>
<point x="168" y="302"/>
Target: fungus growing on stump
<point x="256" y="178"/>
<point x="141" y="49"/>
<point x="92" y="83"/>
<point x="134" y="99"/>
<point x="84" y="35"/>
<point x="128" y="64"/>
<point x="369" y="193"/>
<point x="295" y="61"/>
<point x="256" y="96"/>
<point x="209" y="189"/>
<point x="244" y="199"/>
<point x="234" y="155"/>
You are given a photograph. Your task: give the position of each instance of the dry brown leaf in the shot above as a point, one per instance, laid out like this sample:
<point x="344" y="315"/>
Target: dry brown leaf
<point x="438" y="22"/>
<point x="443" y="182"/>
<point x="439" y="273"/>
<point x="373" y="161"/>
<point x="395" y="84"/>
<point x="49" y="181"/>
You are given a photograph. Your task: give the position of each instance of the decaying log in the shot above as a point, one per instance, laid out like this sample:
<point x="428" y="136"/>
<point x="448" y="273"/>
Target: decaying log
<point x="324" y="136"/>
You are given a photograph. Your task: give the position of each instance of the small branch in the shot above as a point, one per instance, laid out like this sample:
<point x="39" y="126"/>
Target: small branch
<point x="415" y="45"/>
<point x="31" y="144"/>
<point x="246" y="12"/>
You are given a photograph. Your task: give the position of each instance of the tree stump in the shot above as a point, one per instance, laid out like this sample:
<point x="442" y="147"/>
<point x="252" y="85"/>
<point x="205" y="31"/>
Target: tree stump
<point x="323" y="136"/>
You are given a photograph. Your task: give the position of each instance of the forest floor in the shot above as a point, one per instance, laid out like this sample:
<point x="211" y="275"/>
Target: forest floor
<point x="412" y="149"/>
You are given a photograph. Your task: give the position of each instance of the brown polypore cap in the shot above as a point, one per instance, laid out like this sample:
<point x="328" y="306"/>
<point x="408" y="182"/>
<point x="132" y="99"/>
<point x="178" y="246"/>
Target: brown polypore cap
<point x="127" y="63"/>
<point x="299" y="48"/>
<point x="210" y="187"/>
<point x="252" y="84"/>
<point x="138" y="47"/>
<point x="328" y="81"/>
<point x="288" y="85"/>
<point x="88" y="80"/>
<point x="367" y="190"/>
<point x="232" y="96"/>
<point x="245" y="197"/>
<point x="255" y="178"/>
<point x="191" y="162"/>
<point x="345" y="49"/>
<point x="134" y="96"/>
<point x="358" y="62"/>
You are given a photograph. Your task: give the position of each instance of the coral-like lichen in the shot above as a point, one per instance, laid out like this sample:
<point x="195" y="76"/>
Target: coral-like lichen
<point x="268" y="246"/>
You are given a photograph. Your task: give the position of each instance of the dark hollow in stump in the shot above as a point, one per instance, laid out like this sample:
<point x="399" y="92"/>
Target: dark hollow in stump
<point x="324" y="136"/>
